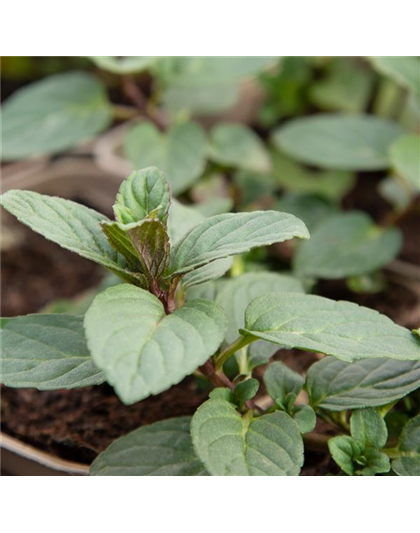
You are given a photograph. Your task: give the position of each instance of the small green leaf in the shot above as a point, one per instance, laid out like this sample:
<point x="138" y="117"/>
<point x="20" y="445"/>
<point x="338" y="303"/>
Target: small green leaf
<point x="368" y="427"/>
<point x="141" y="350"/>
<point x="235" y="145"/>
<point x="179" y="153"/>
<point x="161" y="449"/>
<point x="71" y="225"/>
<point x="245" y="390"/>
<point x="405" y="158"/>
<point x="46" y="352"/>
<point x="232" y="234"/>
<point x="338" y="141"/>
<point x="124" y="65"/>
<point x="409" y="462"/>
<point x="342" y="329"/>
<point x="343" y="450"/>
<point x="237" y="293"/>
<point x="53" y="115"/>
<point x="305" y="418"/>
<point x="221" y="393"/>
<point x="347" y="244"/>
<point x="337" y="386"/>
<point x="144" y="194"/>
<point x="281" y="380"/>
<point x="231" y="445"/>
<point x="404" y="70"/>
<point x="118" y="238"/>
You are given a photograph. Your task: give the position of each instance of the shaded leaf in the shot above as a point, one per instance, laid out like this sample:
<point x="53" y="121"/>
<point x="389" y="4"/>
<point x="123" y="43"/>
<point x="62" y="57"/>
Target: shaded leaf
<point x="124" y="65"/>
<point x="151" y="241"/>
<point x="46" y="352"/>
<point x="305" y="418"/>
<point x="405" y="158"/>
<point x="369" y="428"/>
<point x="245" y="390"/>
<point x="280" y="381"/>
<point x="404" y="70"/>
<point x="409" y="462"/>
<point x="214" y="270"/>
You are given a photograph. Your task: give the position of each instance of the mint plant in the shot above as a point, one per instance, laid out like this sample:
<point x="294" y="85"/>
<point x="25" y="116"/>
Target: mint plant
<point x="171" y="317"/>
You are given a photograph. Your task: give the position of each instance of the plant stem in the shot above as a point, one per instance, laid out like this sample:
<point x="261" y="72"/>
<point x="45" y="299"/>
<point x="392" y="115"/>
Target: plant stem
<point x="133" y="92"/>
<point x="221" y="358"/>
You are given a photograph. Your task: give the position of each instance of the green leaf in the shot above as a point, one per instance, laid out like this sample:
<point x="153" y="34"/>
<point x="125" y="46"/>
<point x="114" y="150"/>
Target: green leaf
<point x="53" y="115"/>
<point x="404" y="70"/>
<point x="237" y="293"/>
<point x="368" y="427"/>
<point x="329" y="184"/>
<point x="317" y="324"/>
<point x="144" y="194"/>
<point x="354" y="459"/>
<point x="343" y="450"/>
<point x="338" y="386"/>
<point x="245" y="390"/>
<point x="405" y="158"/>
<point x="214" y="270"/>
<point x="71" y="225"/>
<point x="141" y="350"/>
<point x="161" y="449"/>
<point x="346" y="244"/>
<point x="260" y="353"/>
<point x="230" y="445"/>
<point x="347" y="86"/>
<point x="124" y="65"/>
<point x="396" y="192"/>
<point x="232" y="234"/>
<point x="118" y="238"/>
<point x="46" y="352"/>
<point x="305" y="418"/>
<point x="235" y="145"/>
<point x="280" y="381"/>
<point x="179" y="153"/>
<point x="409" y="462"/>
<point x="347" y="142"/>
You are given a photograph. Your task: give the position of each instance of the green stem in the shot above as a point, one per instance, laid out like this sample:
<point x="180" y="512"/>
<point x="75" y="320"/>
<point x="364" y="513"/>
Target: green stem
<point x="221" y="358"/>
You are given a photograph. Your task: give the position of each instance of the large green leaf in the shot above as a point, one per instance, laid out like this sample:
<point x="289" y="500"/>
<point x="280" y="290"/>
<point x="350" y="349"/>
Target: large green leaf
<point x="161" y="449"/>
<point x="405" y="158"/>
<point x="71" y="225"/>
<point x="337" y="386"/>
<point x="231" y="445"/>
<point x="231" y="234"/>
<point x="145" y="193"/>
<point x="179" y="153"/>
<point x="124" y="65"/>
<point x="404" y="70"/>
<point x="141" y="350"/>
<point x="317" y="324"/>
<point x="237" y="293"/>
<point x="346" y="244"/>
<point x="53" y="115"/>
<point x="235" y="145"/>
<point x="347" y="142"/>
<point x="46" y="352"/>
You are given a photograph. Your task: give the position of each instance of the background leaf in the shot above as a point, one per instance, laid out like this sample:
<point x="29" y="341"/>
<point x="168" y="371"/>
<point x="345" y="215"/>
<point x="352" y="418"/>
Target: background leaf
<point x="409" y="463"/>
<point x="281" y="381"/>
<point x="124" y="65"/>
<point x="346" y="244"/>
<point x="335" y="385"/>
<point x="404" y="70"/>
<point x="317" y="324"/>
<point x="229" y="445"/>
<point x="235" y="145"/>
<point x="53" y="115"/>
<point x="405" y="158"/>
<point x="179" y="153"/>
<point x="347" y="142"/>
<point x="161" y="449"/>
<point x="46" y="352"/>
<point x="141" y="350"/>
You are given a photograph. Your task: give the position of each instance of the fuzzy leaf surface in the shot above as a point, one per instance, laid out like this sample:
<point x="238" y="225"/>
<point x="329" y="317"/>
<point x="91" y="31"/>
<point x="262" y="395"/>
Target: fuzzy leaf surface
<point x="281" y="380"/>
<point x="369" y="428"/>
